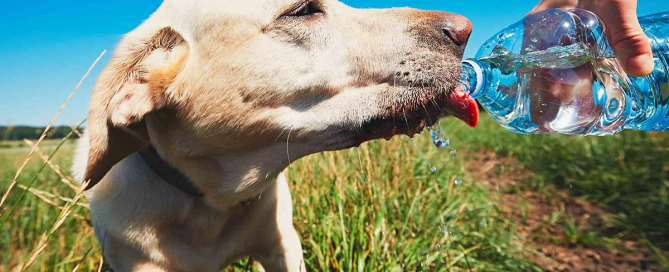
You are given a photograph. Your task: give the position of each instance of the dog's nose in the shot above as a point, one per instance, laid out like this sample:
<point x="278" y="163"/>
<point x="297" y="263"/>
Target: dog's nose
<point x="457" y="28"/>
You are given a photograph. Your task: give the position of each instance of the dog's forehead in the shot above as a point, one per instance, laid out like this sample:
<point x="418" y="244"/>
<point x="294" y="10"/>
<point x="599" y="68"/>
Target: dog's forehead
<point x="207" y="9"/>
<point x="190" y="17"/>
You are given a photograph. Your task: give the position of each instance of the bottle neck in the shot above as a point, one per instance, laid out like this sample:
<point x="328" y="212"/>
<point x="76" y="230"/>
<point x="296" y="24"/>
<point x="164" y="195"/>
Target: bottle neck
<point x="472" y="79"/>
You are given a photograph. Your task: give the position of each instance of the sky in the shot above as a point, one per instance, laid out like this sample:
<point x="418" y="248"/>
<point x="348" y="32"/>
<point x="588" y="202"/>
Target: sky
<point x="47" y="46"/>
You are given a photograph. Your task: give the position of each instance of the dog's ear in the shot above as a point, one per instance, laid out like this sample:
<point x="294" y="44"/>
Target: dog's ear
<point x="137" y="81"/>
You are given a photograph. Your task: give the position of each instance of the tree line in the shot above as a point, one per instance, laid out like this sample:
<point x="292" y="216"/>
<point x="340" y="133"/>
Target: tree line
<point x="12" y="133"/>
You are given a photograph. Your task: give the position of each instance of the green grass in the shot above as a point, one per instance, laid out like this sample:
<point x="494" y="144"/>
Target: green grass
<point x="379" y="208"/>
<point x="6" y="145"/>
<point x="34" y="216"/>
<point x="396" y="215"/>
<point x="627" y="174"/>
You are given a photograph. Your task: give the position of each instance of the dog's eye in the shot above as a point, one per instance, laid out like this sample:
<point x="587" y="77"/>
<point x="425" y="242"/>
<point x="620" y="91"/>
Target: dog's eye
<point x="305" y="9"/>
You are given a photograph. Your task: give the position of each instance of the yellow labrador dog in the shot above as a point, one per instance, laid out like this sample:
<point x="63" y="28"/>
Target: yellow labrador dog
<point x="204" y="105"/>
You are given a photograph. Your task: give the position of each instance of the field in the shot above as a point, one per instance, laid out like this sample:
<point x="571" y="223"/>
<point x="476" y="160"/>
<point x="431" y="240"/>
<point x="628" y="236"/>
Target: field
<point x="501" y="202"/>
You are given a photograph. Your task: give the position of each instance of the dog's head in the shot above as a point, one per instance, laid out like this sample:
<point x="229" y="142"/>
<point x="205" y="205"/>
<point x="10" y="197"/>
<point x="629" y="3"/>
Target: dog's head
<point x="258" y="79"/>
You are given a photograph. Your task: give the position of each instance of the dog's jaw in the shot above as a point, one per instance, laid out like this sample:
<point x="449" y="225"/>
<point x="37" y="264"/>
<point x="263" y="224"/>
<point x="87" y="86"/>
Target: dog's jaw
<point x="410" y="118"/>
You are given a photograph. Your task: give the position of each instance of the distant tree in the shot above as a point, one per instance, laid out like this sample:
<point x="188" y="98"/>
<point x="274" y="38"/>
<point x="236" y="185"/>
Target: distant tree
<point x="26" y="132"/>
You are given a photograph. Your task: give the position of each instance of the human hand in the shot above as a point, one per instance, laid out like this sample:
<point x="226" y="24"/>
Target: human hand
<point x="629" y="43"/>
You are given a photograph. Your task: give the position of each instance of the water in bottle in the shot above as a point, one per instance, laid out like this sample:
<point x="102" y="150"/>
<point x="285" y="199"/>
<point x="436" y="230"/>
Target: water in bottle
<point x="555" y="72"/>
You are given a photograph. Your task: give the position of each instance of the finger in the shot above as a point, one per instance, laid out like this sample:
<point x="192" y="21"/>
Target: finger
<point x="629" y="43"/>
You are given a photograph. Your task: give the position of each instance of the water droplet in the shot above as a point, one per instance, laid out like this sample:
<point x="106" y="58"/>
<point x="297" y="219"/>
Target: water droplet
<point x="439" y="138"/>
<point x="362" y="171"/>
<point x="613" y="105"/>
<point x="432" y="168"/>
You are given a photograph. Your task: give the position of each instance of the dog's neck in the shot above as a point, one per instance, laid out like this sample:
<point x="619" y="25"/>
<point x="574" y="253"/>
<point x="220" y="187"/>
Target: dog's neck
<point x="246" y="188"/>
<point x="232" y="178"/>
<point x="225" y="177"/>
<point x="168" y="173"/>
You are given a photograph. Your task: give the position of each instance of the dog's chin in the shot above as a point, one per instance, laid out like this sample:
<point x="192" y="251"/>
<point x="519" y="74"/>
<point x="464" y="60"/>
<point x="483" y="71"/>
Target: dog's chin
<point x="406" y="116"/>
<point x="410" y="115"/>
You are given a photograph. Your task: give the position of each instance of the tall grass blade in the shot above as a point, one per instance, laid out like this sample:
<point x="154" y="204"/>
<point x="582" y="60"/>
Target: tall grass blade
<point x="41" y="138"/>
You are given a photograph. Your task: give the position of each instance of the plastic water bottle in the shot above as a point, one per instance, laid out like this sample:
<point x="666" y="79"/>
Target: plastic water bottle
<point x="555" y="72"/>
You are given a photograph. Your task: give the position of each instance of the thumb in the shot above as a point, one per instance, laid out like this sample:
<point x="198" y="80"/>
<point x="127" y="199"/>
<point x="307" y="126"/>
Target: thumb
<point x="629" y="43"/>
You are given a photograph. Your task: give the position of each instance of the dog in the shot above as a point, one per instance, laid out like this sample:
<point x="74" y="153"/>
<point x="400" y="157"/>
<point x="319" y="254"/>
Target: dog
<point x="203" y="106"/>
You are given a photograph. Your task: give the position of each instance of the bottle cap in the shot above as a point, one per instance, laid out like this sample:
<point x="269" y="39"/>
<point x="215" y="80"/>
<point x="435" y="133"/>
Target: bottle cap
<point x="479" y="77"/>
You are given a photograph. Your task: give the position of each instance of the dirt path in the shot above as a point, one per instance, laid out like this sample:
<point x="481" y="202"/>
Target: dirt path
<point x="560" y="229"/>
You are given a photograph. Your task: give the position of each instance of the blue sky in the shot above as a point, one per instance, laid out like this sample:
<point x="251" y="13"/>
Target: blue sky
<point x="46" y="46"/>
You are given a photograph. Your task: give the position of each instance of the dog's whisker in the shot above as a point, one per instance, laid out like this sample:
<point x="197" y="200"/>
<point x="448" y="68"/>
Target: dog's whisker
<point x="434" y="103"/>
<point x="427" y="114"/>
<point x="287" y="147"/>
<point x="406" y="120"/>
<point x="277" y="137"/>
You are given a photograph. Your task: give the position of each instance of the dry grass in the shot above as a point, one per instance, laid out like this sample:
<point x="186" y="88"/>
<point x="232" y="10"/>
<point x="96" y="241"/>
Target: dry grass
<point x="48" y="230"/>
<point x="20" y="170"/>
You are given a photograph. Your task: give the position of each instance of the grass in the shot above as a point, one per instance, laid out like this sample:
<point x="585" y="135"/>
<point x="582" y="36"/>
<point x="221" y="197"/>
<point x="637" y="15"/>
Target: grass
<point x="380" y="208"/>
<point x="35" y="216"/>
<point x="390" y="213"/>
<point x="377" y="208"/>
<point x="7" y="146"/>
<point x="627" y="174"/>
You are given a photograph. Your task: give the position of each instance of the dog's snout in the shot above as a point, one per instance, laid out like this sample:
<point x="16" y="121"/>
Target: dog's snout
<point x="457" y="28"/>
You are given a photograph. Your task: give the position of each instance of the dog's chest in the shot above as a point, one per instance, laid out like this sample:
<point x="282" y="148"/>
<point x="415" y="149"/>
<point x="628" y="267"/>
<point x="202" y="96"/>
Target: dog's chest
<point x="203" y="239"/>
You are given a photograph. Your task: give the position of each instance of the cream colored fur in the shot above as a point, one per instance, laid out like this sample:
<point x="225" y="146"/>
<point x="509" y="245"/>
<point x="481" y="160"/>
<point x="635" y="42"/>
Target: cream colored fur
<point x="231" y="92"/>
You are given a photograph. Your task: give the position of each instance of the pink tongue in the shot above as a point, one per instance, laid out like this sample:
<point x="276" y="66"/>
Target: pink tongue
<point x="463" y="106"/>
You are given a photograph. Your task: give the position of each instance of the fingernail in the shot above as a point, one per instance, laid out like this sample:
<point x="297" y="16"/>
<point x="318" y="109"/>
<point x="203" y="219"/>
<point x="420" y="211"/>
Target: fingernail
<point x="640" y="65"/>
